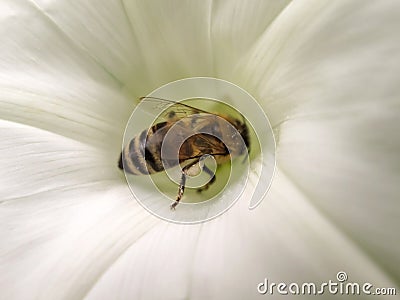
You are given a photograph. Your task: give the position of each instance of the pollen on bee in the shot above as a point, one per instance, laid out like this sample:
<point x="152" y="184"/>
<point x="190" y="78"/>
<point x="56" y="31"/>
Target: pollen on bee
<point x="194" y="170"/>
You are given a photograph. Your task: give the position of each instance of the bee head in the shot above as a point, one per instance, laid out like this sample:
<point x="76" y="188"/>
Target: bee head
<point x="244" y="132"/>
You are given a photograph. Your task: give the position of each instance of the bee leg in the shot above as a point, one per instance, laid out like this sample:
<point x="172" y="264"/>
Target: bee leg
<point x="182" y="184"/>
<point x="212" y="180"/>
<point x="180" y="191"/>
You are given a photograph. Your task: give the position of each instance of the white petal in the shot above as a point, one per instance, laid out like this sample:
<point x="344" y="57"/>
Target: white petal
<point x="102" y="30"/>
<point x="48" y="81"/>
<point x="141" y="45"/>
<point x="285" y="239"/>
<point x="36" y="161"/>
<point x="59" y="243"/>
<point x="328" y="76"/>
<point x="66" y="214"/>
<point x="235" y="27"/>
<point x="173" y="37"/>
<point x="196" y="38"/>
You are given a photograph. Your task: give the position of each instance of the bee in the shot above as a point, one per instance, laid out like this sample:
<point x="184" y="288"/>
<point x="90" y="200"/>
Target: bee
<point x="142" y="155"/>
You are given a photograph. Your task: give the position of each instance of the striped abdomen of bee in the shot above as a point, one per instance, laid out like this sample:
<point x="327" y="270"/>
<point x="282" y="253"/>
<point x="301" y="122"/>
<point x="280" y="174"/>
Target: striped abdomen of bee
<point x="142" y="155"/>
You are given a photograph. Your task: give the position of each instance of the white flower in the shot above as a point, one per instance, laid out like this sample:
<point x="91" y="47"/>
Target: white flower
<point x="327" y="74"/>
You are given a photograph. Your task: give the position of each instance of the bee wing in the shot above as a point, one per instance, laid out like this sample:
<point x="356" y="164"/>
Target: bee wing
<point x="172" y="110"/>
<point x="193" y="139"/>
<point x="205" y="144"/>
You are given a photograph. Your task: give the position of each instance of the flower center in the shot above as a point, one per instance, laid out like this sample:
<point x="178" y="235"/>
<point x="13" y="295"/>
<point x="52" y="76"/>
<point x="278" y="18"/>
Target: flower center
<point x="189" y="142"/>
